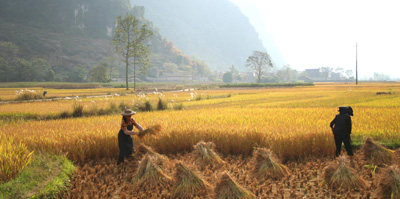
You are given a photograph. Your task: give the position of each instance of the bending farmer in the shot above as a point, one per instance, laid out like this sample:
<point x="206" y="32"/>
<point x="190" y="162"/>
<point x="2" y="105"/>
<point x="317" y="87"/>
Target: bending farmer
<point x="125" y="142"/>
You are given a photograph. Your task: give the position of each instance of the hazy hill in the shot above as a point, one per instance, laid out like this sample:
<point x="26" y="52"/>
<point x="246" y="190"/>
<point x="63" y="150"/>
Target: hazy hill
<point x="70" y="33"/>
<point x="64" y="32"/>
<point x="212" y="30"/>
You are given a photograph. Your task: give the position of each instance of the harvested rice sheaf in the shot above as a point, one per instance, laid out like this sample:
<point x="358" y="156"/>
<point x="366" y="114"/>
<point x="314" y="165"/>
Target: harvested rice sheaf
<point x="389" y="185"/>
<point x="188" y="183"/>
<point x="150" y="172"/>
<point x="341" y="175"/>
<point x="267" y="165"/>
<point x="150" y="131"/>
<point x="227" y="188"/>
<point x="377" y="153"/>
<point x="144" y="149"/>
<point x="205" y="154"/>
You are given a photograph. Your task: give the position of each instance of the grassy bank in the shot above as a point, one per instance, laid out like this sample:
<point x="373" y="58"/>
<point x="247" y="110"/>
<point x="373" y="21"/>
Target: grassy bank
<point x="45" y="177"/>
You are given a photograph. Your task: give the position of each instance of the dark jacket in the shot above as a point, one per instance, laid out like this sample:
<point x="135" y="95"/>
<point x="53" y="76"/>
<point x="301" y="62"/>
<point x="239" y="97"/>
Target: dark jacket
<point x="341" y="125"/>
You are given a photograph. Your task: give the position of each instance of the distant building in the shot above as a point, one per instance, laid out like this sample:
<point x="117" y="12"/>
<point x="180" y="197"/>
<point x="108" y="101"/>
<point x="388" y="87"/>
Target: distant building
<point x="320" y="75"/>
<point x="251" y="77"/>
<point x="170" y="77"/>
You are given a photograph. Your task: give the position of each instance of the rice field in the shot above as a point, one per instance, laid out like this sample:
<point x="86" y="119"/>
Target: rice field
<point x="293" y="123"/>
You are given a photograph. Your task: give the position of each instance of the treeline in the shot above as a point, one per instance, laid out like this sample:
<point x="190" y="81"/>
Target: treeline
<point x="16" y="69"/>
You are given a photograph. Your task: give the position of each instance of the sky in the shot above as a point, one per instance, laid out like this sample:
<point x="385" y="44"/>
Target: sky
<point x="320" y="33"/>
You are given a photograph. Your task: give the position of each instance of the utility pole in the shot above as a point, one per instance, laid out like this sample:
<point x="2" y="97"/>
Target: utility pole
<point x="356" y="67"/>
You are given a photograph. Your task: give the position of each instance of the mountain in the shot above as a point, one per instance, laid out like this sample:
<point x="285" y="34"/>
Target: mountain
<point x="212" y="30"/>
<point x="76" y="34"/>
<point x="64" y="32"/>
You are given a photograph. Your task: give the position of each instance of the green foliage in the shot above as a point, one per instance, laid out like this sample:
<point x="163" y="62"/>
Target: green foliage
<point x="99" y="74"/>
<point x="227" y="78"/>
<point x="13" y="68"/>
<point x="77" y="74"/>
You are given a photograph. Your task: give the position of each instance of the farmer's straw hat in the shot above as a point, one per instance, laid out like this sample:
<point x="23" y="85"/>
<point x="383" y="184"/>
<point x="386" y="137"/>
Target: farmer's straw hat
<point x="128" y="112"/>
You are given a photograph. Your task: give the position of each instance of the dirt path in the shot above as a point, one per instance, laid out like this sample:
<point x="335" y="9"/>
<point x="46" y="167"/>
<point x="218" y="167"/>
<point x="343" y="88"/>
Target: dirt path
<point x="56" y="171"/>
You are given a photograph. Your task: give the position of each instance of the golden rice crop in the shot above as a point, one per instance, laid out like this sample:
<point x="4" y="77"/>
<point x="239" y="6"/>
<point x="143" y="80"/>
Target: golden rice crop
<point x="14" y="157"/>
<point x="292" y="122"/>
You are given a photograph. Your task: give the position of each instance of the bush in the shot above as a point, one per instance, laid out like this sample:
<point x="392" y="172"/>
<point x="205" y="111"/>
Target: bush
<point x="146" y="106"/>
<point x="78" y="110"/>
<point x="178" y="106"/>
<point x="162" y="104"/>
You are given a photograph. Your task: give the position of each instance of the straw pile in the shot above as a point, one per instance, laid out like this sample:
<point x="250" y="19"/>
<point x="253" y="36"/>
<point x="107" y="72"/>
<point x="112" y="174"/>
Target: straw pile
<point x="188" y="183"/>
<point x="227" y="188"/>
<point x="205" y="154"/>
<point x="267" y="165"/>
<point x="150" y="172"/>
<point x="150" y="131"/>
<point x="389" y="185"/>
<point x="341" y="175"/>
<point x="376" y="153"/>
<point x="143" y="150"/>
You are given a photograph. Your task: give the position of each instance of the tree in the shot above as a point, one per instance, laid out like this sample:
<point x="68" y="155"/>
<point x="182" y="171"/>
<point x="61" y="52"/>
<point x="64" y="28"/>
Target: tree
<point x="99" y="74"/>
<point x="111" y="64"/>
<point x="41" y="70"/>
<point x="77" y="74"/>
<point x="131" y="41"/>
<point x="227" y="78"/>
<point x="234" y="72"/>
<point x="8" y="55"/>
<point x="258" y="62"/>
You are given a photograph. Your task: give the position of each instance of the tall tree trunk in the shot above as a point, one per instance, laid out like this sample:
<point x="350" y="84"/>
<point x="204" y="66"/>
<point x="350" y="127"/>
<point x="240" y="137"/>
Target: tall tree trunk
<point x="134" y="73"/>
<point x="126" y="70"/>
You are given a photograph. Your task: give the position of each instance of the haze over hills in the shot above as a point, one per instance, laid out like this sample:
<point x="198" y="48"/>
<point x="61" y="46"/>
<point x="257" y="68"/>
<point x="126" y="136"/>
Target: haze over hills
<point x="214" y="31"/>
<point x="76" y="34"/>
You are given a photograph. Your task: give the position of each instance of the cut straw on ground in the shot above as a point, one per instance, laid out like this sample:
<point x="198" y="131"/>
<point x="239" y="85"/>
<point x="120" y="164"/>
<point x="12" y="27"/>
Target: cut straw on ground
<point x="205" y="154"/>
<point x="341" y="175"/>
<point x="266" y="165"/>
<point x="189" y="184"/>
<point x="227" y="188"/>
<point x="150" y="172"/>
<point x="389" y="185"/>
<point x="376" y="153"/>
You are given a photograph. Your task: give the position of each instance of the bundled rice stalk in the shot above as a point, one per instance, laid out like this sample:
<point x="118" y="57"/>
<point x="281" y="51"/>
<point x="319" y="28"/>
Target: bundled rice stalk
<point x="227" y="188"/>
<point x="150" y="131"/>
<point x="267" y="165"/>
<point x="377" y="153"/>
<point x="341" y="175"/>
<point x="188" y="183"/>
<point x="205" y="154"/>
<point x="150" y="172"/>
<point x="143" y="150"/>
<point x="389" y="185"/>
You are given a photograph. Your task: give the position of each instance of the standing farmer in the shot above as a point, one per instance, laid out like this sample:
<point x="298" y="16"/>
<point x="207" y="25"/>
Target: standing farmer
<point x="125" y="142"/>
<point x="341" y="127"/>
